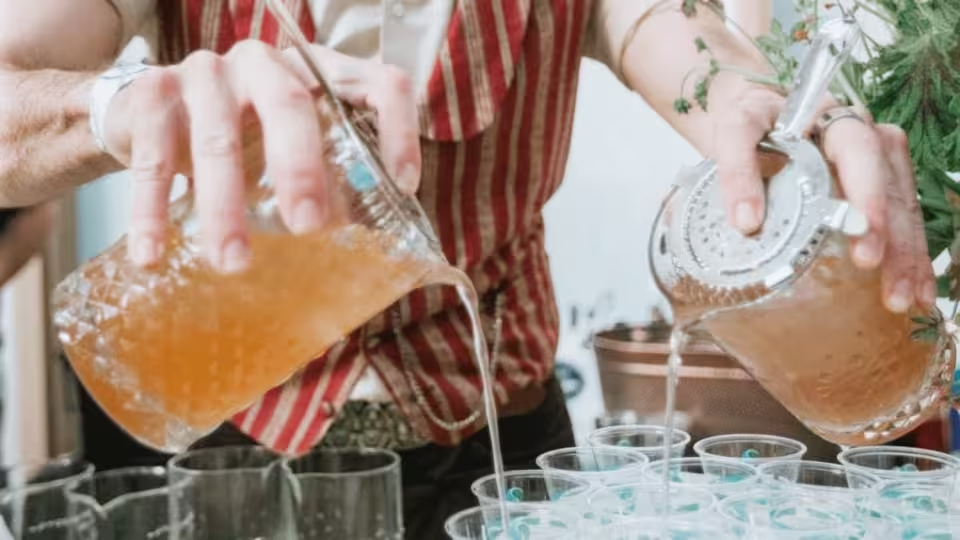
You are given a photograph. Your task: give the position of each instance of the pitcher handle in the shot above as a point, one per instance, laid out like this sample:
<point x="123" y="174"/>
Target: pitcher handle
<point x="830" y="49"/>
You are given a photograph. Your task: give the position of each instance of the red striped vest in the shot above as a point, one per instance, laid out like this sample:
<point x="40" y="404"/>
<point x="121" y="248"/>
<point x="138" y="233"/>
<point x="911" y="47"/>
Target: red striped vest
<point x="496" y="118"/>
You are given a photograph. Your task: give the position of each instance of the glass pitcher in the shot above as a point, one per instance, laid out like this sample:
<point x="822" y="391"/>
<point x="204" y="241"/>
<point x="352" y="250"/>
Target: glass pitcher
<point x="788" y="302"/>
<point x="171" y="352"/>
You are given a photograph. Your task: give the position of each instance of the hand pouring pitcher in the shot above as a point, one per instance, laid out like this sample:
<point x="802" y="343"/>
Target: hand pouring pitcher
<point x="171" y="352"/>
<point x="788" y="302"/>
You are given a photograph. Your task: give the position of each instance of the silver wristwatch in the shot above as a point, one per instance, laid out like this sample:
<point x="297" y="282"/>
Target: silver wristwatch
<point x="108" y="85"/>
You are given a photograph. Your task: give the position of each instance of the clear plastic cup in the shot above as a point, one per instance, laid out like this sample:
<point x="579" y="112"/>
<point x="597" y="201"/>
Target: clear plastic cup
<point x="899" y="463"/>
<point x="532" y="487"/>
<point x="721" y="477"/>
<point x="662" y="529"/>
<point x="648" y="439"/>
<point x="752" y="449"/>
<point x="857" y="487"/>
<point x="530" y="522"/>
<point x="600" y="466"/>
<point x="796" y="515"/>
<point x="906" y="501"/>
<point x="649" y="499"/>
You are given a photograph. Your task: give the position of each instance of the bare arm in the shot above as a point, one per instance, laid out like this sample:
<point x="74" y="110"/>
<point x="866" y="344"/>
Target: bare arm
<point x="49" y="53"/>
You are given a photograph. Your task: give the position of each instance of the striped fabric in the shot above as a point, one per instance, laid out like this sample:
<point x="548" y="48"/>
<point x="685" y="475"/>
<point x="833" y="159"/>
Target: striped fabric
<point x="496" y="118"/>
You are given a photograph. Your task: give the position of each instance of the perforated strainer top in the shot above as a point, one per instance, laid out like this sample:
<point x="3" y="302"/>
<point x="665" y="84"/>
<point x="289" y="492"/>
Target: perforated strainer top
<point x="693" y="237"/>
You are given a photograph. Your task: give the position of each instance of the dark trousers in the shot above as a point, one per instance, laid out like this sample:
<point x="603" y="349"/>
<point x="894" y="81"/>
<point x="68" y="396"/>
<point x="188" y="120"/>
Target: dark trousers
<point x="436" y="479"/>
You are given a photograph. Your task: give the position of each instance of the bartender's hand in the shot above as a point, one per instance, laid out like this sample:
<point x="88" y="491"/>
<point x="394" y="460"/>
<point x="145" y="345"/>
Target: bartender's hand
<point x="875" y="172"/>
<point x="23" y="238"/>
<point x="217" y="118"/>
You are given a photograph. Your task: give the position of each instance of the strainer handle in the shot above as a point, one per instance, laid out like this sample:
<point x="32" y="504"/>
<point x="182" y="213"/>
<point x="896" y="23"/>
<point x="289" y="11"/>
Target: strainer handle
<point x="830" y="49"/>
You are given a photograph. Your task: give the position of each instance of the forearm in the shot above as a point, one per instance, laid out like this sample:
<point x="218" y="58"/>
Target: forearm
<point x="45" y="142"/>
<point x="661" y="61"/>
<point x="753" y="16"/>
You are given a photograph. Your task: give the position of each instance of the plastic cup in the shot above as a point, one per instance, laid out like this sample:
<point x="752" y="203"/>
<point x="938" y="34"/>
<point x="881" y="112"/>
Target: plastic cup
<point x="600" y="466"/>
<point x="533" y="487"/>
<point x="662" y="529"/>
<point x="720" y="477"/>
<point x="752" y="449"/>
<point x="775" y="515"/>
<point x="649" y="499"/>
<point x="898" y="463"/>
<point x="648" y="439"/>
<point x="530" y="522"/>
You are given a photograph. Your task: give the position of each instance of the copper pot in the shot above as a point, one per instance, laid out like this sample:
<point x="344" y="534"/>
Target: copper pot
<point x="715" y="395"/>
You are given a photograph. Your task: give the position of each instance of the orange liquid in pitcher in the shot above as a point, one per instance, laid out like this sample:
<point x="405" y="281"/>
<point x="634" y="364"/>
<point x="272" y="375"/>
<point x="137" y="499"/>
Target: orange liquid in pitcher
<point x="833" y="355"/>
<point x="196" y="348"/>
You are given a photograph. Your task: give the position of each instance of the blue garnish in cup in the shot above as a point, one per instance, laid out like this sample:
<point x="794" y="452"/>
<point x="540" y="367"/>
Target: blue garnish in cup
<point x="515" y="494"/>
<point x="750" y="453"/>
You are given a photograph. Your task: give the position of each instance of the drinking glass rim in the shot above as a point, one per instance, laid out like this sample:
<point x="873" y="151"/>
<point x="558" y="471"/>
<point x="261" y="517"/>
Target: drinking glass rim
<point x="681" y="437"/>
<point x="175" y="464"/>
<point x="762" y="469"/>
<point x="394" y="463"/>
<point x="85" y="471"/>
<point x="699" y="460"/>
<point x="585" y="485"/>
<point x="567" y="516"/>
<point x="144" y="471"/>
<point x="799" y="447"/>
<point x="951" y="468"/>
<point x="642" y="461"/>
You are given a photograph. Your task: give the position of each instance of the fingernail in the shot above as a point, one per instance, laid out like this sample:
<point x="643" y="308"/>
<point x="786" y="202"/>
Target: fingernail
<point x="747" y="217"/>
<point x="408" y="180"/>
<point x="235" y="256"/>
<point x="901" y="298"/>
<point x="307" y="216"/>
<point x="928" y="293"/>
<point x="146" y="251"/>
<point x="868" y="250"/>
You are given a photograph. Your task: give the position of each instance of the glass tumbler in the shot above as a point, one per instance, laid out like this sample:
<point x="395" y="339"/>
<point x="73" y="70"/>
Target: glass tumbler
<point x="128" y="504"/>
<point x="348" y="494"/>
<point x="33" y="502"/>
<point x="233" y="493"/>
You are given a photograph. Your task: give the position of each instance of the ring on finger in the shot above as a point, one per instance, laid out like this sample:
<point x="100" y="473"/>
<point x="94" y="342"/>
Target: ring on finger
<point x="830" y="117"/>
